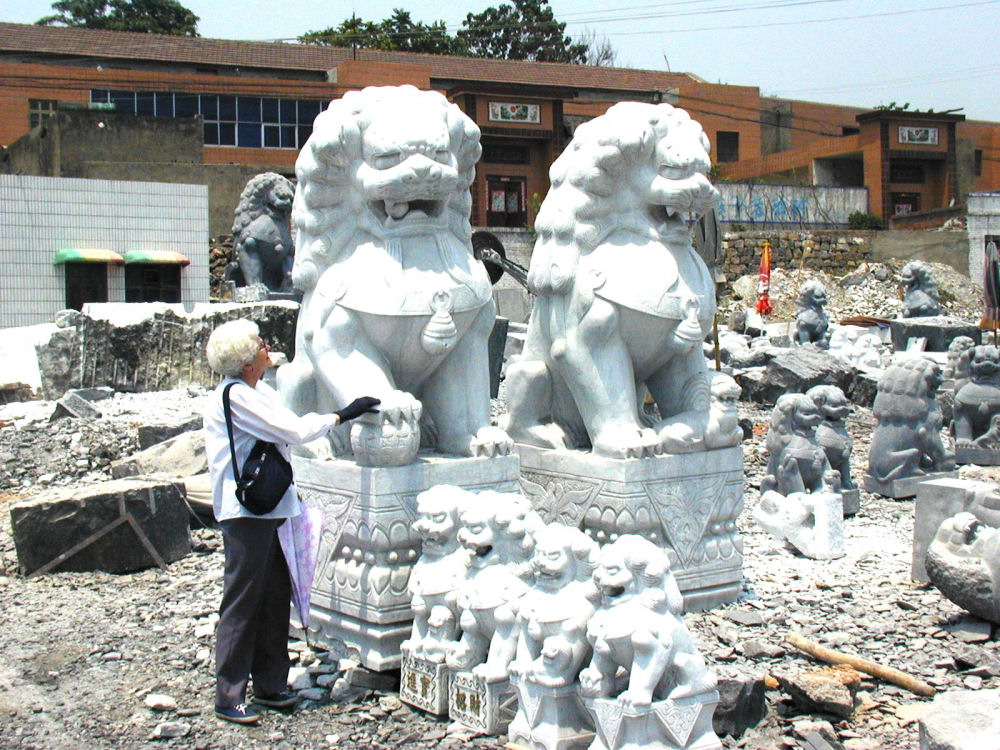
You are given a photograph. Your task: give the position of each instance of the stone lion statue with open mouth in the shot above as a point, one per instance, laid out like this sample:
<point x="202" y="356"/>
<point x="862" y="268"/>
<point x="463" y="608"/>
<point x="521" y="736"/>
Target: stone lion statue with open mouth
<point x="623" y="300"/>
<point x="395" y="305"/>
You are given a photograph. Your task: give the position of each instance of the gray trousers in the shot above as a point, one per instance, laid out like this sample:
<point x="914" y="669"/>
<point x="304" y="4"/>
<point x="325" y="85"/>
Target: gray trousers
<point x="252" y="637"/>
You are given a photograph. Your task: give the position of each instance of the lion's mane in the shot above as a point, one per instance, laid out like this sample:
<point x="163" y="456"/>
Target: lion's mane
<point x="254" y="200"/>
<point x="329" y="208"/>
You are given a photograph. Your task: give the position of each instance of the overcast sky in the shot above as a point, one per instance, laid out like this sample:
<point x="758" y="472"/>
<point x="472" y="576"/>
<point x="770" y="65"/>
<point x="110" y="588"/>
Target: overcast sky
<point x="933" y="54"/>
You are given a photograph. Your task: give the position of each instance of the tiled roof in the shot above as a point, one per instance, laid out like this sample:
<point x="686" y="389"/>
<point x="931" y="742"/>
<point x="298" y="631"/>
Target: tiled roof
<point x="76" y="42"/>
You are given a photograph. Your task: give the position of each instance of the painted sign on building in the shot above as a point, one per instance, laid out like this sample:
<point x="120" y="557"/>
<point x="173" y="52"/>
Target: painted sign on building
<point x="799" y="205"/>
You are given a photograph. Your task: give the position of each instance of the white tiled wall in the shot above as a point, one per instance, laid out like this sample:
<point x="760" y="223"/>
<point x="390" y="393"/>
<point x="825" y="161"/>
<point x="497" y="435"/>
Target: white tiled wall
<point x="983" y="220"/>
<point x="39" y="216"/>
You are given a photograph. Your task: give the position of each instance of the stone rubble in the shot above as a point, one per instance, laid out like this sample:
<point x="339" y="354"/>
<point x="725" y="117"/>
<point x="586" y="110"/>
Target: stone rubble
<point x="81" y="653"/>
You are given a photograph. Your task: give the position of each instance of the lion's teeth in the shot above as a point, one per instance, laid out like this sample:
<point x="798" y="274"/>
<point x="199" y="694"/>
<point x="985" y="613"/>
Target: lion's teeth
<point x="397" y="210"/>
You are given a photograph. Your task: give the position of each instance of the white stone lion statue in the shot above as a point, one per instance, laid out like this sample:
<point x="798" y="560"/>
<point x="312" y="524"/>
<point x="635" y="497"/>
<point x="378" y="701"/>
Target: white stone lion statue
<point x="395" y="305"/>
<point x="623" y="299"/>
<point x="642" y="649"/>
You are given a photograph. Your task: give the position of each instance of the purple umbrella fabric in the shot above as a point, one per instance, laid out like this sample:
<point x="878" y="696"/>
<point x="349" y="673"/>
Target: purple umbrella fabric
<point x="991" y="286"/>
<point x="299" y="538"/>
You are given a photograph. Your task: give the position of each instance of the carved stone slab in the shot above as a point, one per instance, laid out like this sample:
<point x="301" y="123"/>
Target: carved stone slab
<point x="901" y="488"/>
<point x="686" y="503"/>
<point x="683" y="724"/>
<point x="424" y="684"/>
<point x="486" y="707"/>
<point x="852" y="501"/>
<point x="368" y="545"/>
<point x="977" y="456"/>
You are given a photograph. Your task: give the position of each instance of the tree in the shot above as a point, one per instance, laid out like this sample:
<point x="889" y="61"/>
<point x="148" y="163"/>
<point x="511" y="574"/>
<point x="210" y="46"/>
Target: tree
<point x="398" y="32"/>
<point x="149" y="16"/>
<point x="526" y="30"/>
<point x="600" y="52"/>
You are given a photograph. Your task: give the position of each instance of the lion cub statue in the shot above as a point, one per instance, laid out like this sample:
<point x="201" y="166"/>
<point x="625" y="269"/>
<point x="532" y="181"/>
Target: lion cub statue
<point x="622" y="298"/>
<point x="394" y="303"/>
<point x="498" y="531"/>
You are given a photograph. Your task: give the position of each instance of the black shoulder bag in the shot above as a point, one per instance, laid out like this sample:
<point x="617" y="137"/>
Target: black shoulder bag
<point x="266" y="474"/>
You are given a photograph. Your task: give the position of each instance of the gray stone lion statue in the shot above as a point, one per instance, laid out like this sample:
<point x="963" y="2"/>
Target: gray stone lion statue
<point x="262" y="240"/>
<point x="622" y="298"/>
<point x="395" y="305"/>
<point x="920" y="292"/>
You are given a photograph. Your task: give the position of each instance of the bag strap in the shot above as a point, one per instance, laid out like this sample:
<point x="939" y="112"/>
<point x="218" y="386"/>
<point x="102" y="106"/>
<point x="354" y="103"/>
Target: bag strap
<point x="229" y="428"/>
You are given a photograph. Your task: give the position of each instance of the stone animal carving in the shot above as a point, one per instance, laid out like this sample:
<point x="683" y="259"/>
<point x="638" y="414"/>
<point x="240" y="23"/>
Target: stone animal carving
<point x="622" y="298"/>
<point x="920" y="292"/>
<point x="796" y="461"/>
<point x="811" y="322"/>
<point x="977" y="402"/>
<point x="907" y="439"/>
<point x="395" y="305"/>
<point x="723" y="428"/>
<point x="498" y="531"/>
<point x="439" y="570"/>
<point x="262" y="239"/>
<point x="963" y="562"/>
<point x="956" y="368"/>
<point x="831" y="433"/>
<point x="552" y="616"/>
<point x="637" y="629"/>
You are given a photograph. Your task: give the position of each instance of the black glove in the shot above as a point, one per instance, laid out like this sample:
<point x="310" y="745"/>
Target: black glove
<point x="359" y="406"/>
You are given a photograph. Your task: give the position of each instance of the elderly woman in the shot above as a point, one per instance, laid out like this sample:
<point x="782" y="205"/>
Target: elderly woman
<point x="252" y="637"/>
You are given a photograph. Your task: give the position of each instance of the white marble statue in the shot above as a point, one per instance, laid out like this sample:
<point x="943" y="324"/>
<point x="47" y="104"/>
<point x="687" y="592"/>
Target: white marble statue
<point x="395" y="305"/>
<point x="622" y="298"/>
<point x="439" y="570"/>
<point x="647" y="685"/>
<point x="498" y="532"/>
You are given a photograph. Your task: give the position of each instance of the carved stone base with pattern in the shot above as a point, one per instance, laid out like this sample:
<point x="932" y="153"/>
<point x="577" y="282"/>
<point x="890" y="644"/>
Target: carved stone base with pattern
<point x="971" y="454"/>
<point x="549" y="718"/>
<point x="368" y="545"/>
<point x="686" y="503"/>
<point x="683" y="724"/>
<point x="424" y="684"/>
<point x="486" y="707"/>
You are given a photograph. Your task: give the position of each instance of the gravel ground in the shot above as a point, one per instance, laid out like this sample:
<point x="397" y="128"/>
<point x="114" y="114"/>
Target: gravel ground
<point x="80" y="653"/>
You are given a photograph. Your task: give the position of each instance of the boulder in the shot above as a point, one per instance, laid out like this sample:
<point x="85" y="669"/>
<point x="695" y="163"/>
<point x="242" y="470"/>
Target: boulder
<point x="151" y="434"/>
<point x="75" y="406"/>
<point x="796" y="371"/>
<point x="741" y="705"/>
<point x="181" y="456"/>
<point x="55" y="521"/>
<point x="937" y="330"/>
<point x="962" y="720"/>
<point x="828" y="689"/>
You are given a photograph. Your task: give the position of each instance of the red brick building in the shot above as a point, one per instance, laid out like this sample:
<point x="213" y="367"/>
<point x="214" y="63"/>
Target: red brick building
<point x="257" y="101"/>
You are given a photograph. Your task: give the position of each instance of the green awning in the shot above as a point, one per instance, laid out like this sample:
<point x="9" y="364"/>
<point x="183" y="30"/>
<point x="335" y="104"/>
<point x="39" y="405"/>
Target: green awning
<point x="156" y="256"/>
<point x="87" y="255"/>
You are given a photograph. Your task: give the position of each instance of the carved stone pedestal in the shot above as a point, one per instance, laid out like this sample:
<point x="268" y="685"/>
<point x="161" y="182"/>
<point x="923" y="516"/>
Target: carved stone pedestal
<point x="812" y="523"/>
<point x="970" y="454"/>
<point x="898" y="489"/>
<point x="852" y="501"/>
<point x="368" y="545"/>
<point x="424" y="684"/>
<point x="686" y="503"/>
<point x="684" y="724"/>
<point x="549" y="718"/>
<point x="486" y="707"/>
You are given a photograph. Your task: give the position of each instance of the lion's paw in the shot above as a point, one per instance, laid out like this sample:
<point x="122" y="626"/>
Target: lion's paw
<point x="679" y="437"/>
<point x="397" y="407"/>
<point x="592" y="683"/>
<point x="491" y="441"/>
<point x="627" y="441"/>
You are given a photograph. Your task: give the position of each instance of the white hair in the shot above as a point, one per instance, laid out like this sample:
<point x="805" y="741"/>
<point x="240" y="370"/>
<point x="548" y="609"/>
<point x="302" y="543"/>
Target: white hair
<point x="231" y="346"/>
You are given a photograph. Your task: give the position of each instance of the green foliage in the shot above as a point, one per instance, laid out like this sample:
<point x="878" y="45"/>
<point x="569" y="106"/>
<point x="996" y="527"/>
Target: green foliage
<point x="893" y="107"/>
<point x="861" y="220"/>
<point x="398" y="32"/>
<point x="526" y="30"/>
<point x="147" y="16"/>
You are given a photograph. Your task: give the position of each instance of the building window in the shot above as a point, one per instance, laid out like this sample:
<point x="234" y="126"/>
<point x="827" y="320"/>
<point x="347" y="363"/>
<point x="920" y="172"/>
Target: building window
<point x="152" y="282"/>
<point x="905" y="203"/>
<point x="503" y="153"/>
<point x="908" y="173"/>
<point x="247" y="121"/>
<point x="977" y="162"/>
<point x="727" y="146"/>
<point x="40" y="110"/>
<point x="86" y="282"/>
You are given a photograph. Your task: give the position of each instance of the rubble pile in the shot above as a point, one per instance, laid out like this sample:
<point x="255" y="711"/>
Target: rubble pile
<point x="871" y="289"/>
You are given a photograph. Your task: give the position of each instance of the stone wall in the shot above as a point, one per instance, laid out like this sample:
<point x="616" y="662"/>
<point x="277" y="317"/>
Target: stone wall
<point x="835" y="252"/>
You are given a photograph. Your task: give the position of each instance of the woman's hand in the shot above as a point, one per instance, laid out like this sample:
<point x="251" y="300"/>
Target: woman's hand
<point x="359" y="406"/>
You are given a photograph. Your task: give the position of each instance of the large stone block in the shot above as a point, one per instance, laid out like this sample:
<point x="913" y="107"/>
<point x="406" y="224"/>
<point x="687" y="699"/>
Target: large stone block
<point x="687" y="503"/>
<point x="796" y="371"/>
<point x="52" y="523"/>
<point x="938" y="330"/>
<point x="938" y="499"/>
<point x="181" y="456"/>
<point x="368" y="546"/>
<point x="962" y="720"/>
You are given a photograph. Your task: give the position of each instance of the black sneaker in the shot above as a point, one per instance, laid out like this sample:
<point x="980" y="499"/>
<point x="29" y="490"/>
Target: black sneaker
<point x="284" y="699"/>
<point x="238" y="714"/>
